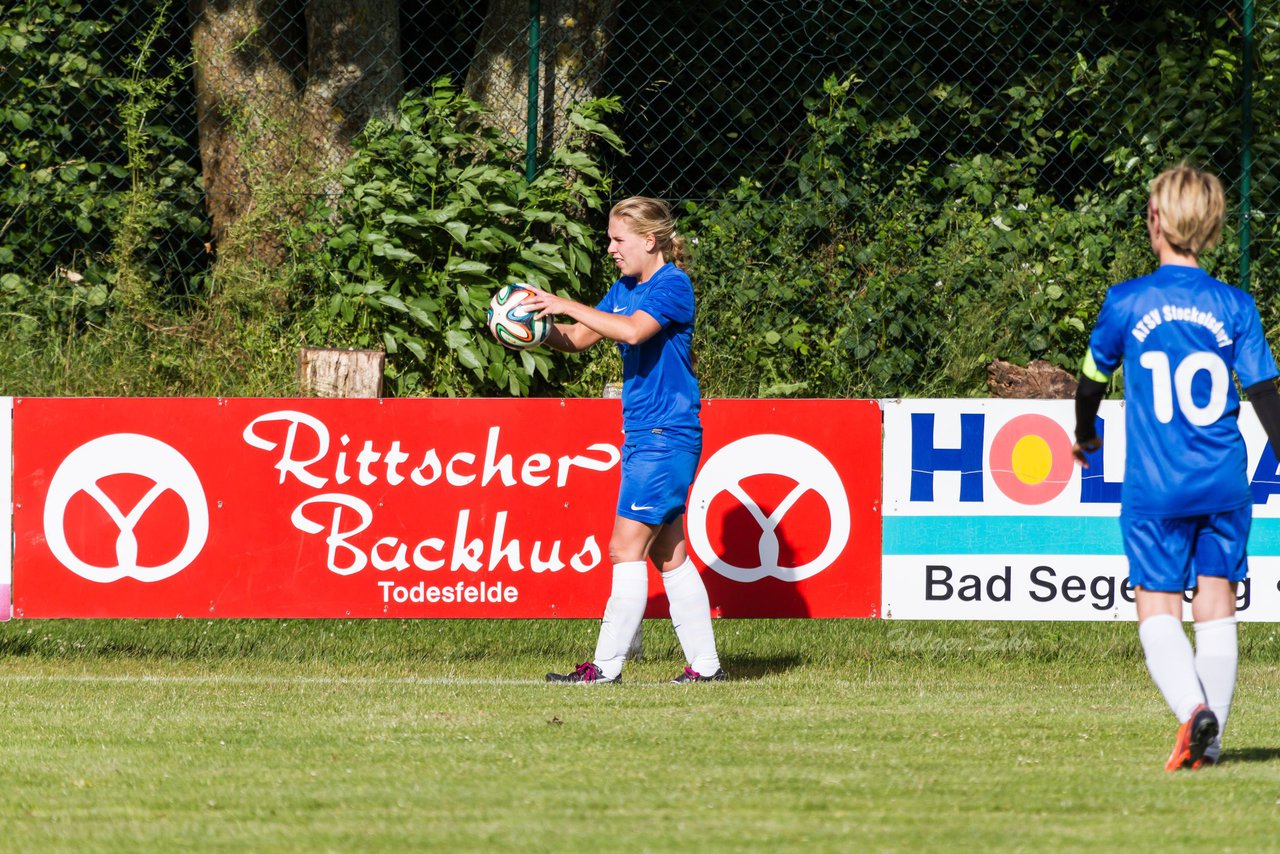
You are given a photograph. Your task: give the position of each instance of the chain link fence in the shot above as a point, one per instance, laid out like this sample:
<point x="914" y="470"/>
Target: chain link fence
<point x="884" y="197"/>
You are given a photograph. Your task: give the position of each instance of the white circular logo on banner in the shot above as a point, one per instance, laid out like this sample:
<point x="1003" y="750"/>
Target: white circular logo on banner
<point x="125" y="453"/>
<point x="768" y="454"/>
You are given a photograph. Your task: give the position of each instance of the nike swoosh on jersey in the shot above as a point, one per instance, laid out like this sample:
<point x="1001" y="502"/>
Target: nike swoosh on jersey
<point x="618" y="309"/>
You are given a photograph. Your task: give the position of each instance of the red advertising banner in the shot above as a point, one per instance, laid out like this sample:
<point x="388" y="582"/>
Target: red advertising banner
<point x="423" y="508"/>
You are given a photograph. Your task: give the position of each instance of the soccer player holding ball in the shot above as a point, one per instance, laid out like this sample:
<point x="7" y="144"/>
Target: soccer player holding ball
<point x="1185" y="505"/>
<point x="648" y="313"/>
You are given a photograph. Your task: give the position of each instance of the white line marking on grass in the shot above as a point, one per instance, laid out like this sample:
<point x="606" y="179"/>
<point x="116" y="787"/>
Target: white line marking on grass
<point x="262" y="680"/>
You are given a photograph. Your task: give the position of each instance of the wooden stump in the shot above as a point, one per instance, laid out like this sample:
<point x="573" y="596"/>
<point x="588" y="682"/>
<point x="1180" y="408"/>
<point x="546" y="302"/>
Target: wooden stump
<point x="340" y="373"/>
<point x="1039" y="380"/>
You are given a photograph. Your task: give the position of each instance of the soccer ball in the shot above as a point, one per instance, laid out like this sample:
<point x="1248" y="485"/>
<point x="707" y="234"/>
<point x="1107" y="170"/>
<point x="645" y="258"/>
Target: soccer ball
<point x="513" y="325"/>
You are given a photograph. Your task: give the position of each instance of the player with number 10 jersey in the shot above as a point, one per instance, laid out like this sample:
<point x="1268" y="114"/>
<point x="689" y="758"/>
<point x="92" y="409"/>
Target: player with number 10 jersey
<point x="1180" y="334"/>
<point x="1185" y="508"/>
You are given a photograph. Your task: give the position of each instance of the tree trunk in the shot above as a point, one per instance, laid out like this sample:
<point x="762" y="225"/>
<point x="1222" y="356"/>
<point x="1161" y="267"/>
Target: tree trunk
<point x="280" y="92"/>
<point x="324" y="372"/>
<point x="574" y="36"/>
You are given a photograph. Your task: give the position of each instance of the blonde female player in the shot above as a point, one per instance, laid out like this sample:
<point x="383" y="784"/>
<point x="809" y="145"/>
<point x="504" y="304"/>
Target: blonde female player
<point x="649" y="314"/>
<point x="1185" y="506"/>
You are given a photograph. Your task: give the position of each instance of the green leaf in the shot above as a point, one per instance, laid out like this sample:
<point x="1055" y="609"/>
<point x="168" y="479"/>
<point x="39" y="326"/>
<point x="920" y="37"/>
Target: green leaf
<point x="551" y="264"/>
<point x="542" y="362"/>
<point x="462" y="267"/>
<point x="581" y="259"/>
<point x="440" y="216"/>
<point x="388" y="218"/>
<point x="393" y="302"/>
<point x="481" y="245"/>
<point x="457" y="230"/>
<point x="394" y="253"/>
<point x="469" y="358"/>
<point x="416" y="349"/>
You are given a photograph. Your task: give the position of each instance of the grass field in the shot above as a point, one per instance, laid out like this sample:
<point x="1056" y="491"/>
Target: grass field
<point x="441" y="736"/>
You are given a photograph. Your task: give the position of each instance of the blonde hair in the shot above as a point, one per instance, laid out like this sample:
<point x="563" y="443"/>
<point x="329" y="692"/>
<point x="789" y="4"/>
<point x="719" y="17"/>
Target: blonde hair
<point x="653" y="216"/>
<point x="1191" y="205"/>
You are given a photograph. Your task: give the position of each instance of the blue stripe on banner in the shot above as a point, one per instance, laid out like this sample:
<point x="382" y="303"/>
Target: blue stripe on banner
<point x="1019" y="535"/>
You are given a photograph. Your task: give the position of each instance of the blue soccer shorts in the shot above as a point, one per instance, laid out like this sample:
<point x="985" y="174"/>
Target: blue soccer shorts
<point x="1167" y="555"/>
<point x="655" y="479"/>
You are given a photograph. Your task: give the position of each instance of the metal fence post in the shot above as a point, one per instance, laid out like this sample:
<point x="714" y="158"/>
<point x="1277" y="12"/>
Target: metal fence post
<point x="1246" y="143"/>
<point x="531" y="135"/>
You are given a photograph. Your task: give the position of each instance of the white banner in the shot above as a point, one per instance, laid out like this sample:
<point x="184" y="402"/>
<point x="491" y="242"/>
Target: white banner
<point x="986" y="516"/>
<point x="6" y="507"/>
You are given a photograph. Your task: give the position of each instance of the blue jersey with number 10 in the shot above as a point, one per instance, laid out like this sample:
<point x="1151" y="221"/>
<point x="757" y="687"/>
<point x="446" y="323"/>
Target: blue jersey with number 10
<point x="1180" y="334"/>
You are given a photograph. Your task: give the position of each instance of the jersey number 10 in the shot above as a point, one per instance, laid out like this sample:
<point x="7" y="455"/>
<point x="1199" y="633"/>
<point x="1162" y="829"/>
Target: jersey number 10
<point x="1165" y="384"/>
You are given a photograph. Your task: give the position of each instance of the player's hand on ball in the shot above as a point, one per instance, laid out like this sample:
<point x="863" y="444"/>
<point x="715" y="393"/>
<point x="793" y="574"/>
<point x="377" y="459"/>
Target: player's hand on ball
<point x="543" y="303"/>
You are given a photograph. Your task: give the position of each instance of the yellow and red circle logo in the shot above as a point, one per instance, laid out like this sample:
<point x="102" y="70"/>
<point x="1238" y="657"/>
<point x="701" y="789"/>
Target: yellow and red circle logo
<point x="1030" y="459"/>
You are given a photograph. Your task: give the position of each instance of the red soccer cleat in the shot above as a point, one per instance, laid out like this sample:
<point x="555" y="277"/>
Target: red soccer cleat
<point x="585" y="673"/>
<point x="691" y="675"/>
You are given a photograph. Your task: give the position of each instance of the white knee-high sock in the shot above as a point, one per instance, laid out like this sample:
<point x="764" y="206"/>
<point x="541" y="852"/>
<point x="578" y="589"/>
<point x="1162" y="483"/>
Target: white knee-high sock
<point x="622" y="615"/>
<point x="1217" y="657"/>
<point x="1171" y="663"/>
<point x="691" y="616"/>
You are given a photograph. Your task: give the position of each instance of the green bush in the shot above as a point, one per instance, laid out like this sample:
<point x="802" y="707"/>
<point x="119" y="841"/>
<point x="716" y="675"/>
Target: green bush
<point x="432" y="219"/>
<point x="68" y="164"/>
<point x="878" y="277"/>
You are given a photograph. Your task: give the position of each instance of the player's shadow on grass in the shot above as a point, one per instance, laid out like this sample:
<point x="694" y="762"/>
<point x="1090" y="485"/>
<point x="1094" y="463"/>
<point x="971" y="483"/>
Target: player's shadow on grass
<point x="1233" y="755"/>
<point x="745" y="668"/>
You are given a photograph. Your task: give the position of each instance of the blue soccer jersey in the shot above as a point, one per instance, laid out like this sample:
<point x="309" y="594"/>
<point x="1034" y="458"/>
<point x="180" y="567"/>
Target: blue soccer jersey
<point x="1181" y="334"/>
<point x="659" y="389"/>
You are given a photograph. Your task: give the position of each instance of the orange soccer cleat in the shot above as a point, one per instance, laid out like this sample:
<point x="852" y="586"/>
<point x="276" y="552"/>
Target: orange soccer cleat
<point x="1194" y="738"/>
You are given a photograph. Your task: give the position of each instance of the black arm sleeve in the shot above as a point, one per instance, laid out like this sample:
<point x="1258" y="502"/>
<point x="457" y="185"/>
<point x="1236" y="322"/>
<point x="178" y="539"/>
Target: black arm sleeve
<point x="1266" y="402"/>
<point x="1089" y="394"/>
